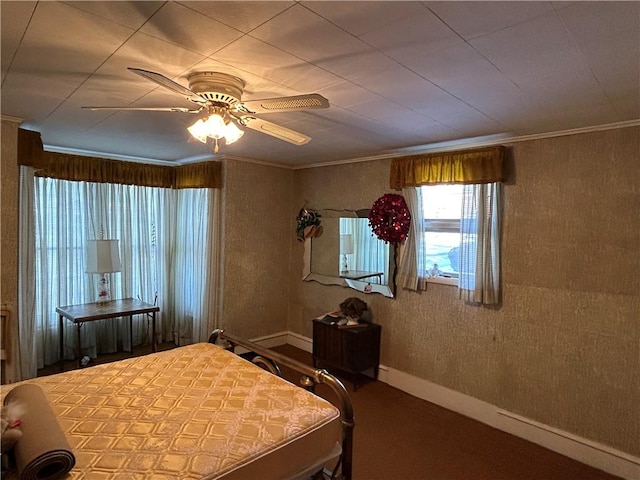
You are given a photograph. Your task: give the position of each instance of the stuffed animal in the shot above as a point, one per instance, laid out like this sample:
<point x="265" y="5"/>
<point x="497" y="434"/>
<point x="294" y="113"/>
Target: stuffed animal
<point x="355" y="310"/>
<point x="10" y="424"/>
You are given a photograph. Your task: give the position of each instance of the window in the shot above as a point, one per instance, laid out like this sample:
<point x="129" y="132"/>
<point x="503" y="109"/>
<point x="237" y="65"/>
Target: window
<point x="476" y="254"/>
<point x="441" y="209"/>
<point x="469" y="258"/>
<point x="168" y="244"/>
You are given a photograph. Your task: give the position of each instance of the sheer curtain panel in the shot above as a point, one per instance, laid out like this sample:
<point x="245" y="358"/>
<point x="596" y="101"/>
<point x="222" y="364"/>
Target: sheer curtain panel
<point x="412" y="271"/>
<point x="168" y="246"/>
<point x="26" y="273"/>
<point x="480" y="244"/>
<point x="194" y="281"/>
<point x="370" y="254"/>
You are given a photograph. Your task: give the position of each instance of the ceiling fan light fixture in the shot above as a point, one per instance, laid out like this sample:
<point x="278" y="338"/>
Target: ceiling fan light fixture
<point x="217" y="125"/>
<point x="232" y="133"/>
<point x="214" y="126"/>
<point x="198" y="131"/>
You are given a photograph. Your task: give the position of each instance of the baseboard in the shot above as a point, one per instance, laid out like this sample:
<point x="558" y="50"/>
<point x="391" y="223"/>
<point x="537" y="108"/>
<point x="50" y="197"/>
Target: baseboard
<point x="267" y="341"/>
<point x="273" y="340"/>
<point x="300" y="341"/>
<point x="581" y="449"/>
<point x="573" y="446"/>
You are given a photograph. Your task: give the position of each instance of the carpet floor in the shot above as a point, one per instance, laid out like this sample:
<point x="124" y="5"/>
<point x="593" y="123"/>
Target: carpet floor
<point x="398" y="436"/>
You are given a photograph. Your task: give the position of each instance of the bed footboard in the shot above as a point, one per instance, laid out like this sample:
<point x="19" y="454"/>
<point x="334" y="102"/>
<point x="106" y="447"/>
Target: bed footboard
<point x="310" y="377"/>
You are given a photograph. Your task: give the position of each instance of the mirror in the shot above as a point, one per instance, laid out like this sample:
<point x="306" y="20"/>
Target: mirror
<point x="349" y="254"/>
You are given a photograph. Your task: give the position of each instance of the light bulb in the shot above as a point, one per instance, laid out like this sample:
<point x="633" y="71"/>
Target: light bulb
<point x="198" y="131"/>
<point x="215" y="126"/>
<point x="232" y="133"/>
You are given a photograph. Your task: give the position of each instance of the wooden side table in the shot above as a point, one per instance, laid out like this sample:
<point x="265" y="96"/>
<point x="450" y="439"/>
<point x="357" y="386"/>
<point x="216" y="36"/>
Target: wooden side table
<point x="354" y="350"/>
<point x="88" y="312"/>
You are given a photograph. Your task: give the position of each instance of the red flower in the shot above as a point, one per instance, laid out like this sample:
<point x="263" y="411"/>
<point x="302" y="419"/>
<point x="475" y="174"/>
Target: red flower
<point x="389" y="218"/>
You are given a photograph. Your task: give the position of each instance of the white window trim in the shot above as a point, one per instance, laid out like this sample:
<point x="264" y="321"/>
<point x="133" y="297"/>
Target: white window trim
<point x="442" y="225"/>
<point x="443" y="280"/>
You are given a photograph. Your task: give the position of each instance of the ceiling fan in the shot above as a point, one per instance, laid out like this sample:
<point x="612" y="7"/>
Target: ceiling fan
<point x="219" y="97"/>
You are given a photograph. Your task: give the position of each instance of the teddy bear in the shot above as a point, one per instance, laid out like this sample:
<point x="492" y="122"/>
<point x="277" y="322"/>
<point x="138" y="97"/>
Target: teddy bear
<point x="10" y="424"/>
<point x="355" y="311"/>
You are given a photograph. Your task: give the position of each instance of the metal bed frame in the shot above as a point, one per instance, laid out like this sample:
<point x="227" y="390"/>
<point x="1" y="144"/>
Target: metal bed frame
<point x="271" y="360"/>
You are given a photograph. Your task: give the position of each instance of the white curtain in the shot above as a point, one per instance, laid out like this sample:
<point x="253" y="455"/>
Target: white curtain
<point x="195" y="256"/>
<point x="412" y="266"/>
<point x="480" y="244"/>
<point x="370" y="254"/>
<point x="26" y="287"/>
<point x="167" y="241"/>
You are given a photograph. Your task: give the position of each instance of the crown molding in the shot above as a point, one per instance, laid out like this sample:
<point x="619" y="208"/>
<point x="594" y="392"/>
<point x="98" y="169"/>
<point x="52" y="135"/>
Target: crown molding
<point x="476" y="142"/>
<point x="258" y="162"/>
<point x="108" y="156"/>
<point x="9" y="118"/>
<point x="488" y="141"/>
<point x="198" y="158"/>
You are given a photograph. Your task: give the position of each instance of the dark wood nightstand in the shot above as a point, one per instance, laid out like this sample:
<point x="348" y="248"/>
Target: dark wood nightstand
<point x="354" y="350"/>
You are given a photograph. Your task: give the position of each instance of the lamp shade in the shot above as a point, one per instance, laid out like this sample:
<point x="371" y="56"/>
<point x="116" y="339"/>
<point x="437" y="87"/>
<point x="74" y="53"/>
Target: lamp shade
<point x="346" y="244"/>
<point x="103" y="256"/>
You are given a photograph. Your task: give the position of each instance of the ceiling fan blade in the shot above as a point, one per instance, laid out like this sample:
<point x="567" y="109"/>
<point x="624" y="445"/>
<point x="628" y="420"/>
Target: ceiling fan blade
<point x="151" y="109"/>
<point x="284" y="104"/>
<point x="274" y="130"/>
<point x="168" y="84"/>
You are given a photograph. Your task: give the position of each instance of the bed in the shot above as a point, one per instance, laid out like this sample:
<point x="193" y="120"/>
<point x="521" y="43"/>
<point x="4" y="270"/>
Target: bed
<point x="201" y="412"/>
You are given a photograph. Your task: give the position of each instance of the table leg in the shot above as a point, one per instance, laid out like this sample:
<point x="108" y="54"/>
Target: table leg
<point x="79" y="351"/>
<point x="61" y="330"/>
<point x="131" y="332"/>
<point x="153" y="331"/>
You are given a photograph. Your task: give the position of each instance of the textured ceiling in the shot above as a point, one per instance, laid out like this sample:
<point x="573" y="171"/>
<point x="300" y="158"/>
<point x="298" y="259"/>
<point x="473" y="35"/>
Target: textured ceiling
<point x="400" y="76"/>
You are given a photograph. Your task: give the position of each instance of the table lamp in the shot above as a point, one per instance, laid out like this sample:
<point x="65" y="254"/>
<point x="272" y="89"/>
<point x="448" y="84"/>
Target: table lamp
<point x="346" y="248"/>
<point x="103" y="257"/>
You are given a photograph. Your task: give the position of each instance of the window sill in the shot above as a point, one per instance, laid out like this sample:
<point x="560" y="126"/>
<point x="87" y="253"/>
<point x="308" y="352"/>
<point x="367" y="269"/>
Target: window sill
<point x="443" y="281"/>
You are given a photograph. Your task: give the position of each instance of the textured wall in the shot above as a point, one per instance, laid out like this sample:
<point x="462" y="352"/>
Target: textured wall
<point x="9" y="188"/>
<point x="9" y="200"/>
<point x="258" y="229"/>
<point x="564" y="347"/>
<point x="350" y="186"/>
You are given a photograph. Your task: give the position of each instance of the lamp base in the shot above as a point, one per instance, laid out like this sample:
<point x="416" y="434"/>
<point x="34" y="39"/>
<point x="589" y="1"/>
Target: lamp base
<point x="345" y="266"/>
<point x="104" y="290"/>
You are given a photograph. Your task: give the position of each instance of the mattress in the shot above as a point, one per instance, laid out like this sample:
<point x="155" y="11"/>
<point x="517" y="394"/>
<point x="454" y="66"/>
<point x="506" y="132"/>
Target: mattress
<point x="197" y="411"/>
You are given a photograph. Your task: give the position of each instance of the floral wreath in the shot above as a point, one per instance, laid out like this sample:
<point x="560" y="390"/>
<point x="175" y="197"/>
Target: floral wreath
<point x="389" y="218"/>
<point x="308" y="224"/>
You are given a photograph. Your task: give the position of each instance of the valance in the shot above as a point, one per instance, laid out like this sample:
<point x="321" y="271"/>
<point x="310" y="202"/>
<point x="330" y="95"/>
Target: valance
<point x="198" y="175"/>
<point x="475" y="166"/>
<point x="100" y="170"/>
<point x="30" y="150"/>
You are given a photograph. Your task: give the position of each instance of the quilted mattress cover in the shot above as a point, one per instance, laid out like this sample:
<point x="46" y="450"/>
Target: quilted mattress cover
<point x="197" y="411"/>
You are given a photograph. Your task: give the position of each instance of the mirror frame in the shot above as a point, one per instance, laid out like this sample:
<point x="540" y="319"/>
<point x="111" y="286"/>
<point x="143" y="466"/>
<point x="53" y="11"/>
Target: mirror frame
<point x="359" y="285"/>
